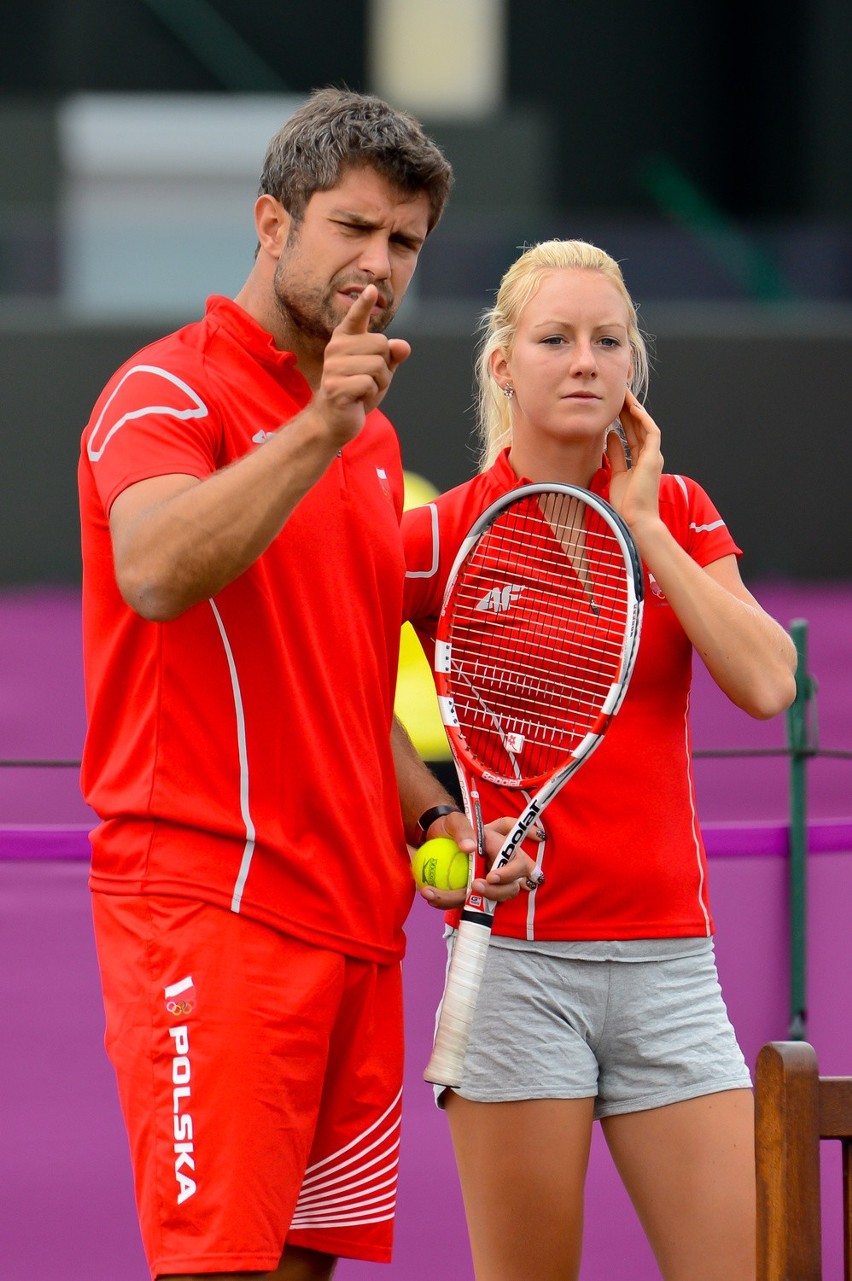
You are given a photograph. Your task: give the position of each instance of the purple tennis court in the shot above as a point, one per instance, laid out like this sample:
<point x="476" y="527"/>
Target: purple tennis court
<point x="67" y="1206"/>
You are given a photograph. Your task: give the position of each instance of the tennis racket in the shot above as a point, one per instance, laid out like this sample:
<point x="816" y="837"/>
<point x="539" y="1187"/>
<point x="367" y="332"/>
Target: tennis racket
<point x="535" y="645"/>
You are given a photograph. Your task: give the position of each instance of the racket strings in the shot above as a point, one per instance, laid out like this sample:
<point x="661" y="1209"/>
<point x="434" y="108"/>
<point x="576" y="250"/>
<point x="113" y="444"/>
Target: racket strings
<point x="535" y="645"/>
<point x="537" y="626"/>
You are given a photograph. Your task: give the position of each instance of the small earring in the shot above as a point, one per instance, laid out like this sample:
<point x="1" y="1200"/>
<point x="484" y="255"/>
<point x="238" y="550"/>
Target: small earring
<point x="508" y="391"/>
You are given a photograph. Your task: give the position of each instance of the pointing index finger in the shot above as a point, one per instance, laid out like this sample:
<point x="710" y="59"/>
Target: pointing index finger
<point x="357" y="318"/>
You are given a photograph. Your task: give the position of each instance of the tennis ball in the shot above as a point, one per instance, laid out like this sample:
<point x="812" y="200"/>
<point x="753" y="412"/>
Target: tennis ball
<point x="441" y="864"/>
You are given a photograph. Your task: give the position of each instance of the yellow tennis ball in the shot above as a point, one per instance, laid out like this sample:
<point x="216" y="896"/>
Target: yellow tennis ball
<point x="441" y="864"/>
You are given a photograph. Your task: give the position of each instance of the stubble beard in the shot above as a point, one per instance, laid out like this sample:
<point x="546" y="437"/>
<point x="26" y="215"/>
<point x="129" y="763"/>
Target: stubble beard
<point x="314" y="312"/>
<point x="308" y="314"/>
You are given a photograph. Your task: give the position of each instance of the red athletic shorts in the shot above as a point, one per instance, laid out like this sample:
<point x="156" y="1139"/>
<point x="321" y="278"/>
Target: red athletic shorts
<point x="260" y="1080"/>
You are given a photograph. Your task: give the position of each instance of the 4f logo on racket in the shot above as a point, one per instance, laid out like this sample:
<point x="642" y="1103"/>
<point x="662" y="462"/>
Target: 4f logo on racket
<point x="498" y="600"/>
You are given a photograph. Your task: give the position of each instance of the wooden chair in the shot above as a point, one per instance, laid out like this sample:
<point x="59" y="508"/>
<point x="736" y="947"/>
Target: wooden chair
<point x="795" y="1108"/>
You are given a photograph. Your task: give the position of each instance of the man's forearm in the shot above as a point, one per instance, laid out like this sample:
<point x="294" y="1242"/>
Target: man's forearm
<point x="419" y="789"/>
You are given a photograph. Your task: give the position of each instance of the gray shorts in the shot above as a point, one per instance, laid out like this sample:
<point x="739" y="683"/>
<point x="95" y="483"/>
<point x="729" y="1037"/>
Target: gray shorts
<point x="643" y="1030"/>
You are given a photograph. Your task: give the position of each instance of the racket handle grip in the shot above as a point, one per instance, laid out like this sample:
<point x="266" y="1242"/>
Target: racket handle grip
<point x="455" y="1018"/>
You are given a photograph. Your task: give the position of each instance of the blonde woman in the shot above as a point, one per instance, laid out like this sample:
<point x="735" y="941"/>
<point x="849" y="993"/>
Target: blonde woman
<point x="601" y="999"/>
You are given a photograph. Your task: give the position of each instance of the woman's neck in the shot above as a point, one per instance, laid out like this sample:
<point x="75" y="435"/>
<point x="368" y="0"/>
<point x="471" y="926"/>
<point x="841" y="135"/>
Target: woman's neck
<point x="568" y="464"/>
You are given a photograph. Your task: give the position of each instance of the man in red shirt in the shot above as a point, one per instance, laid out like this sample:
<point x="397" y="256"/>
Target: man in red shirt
<point x="243" y="574"/>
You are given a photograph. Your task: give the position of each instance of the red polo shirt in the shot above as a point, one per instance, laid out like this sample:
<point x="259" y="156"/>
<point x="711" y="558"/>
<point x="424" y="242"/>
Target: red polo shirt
<point x="624" y="857"/>
<point x="240" y="754"/>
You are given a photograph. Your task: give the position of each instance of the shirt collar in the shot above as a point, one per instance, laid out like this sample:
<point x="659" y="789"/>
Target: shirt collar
<point x="599" y="484"/>
<point x="248" y="332"/>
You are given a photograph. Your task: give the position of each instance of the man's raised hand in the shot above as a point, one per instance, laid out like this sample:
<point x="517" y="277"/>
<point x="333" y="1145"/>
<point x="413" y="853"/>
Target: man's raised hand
<point x="357" y="369"/>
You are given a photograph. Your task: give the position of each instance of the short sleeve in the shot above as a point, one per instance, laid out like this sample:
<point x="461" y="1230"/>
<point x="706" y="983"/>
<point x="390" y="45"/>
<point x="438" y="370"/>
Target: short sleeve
<point x="149" y="421"/>
<point x="420" y="538"/>
<point x="696" y="522"/>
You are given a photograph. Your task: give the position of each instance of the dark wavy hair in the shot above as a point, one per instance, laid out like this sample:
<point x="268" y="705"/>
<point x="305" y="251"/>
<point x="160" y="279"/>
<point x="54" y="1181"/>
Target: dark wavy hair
<point x="336" y="130"/>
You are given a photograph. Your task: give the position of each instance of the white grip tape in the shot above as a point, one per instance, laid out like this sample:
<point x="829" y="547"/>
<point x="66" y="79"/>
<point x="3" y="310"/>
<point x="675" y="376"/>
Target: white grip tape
<point x="459" y="1003"/>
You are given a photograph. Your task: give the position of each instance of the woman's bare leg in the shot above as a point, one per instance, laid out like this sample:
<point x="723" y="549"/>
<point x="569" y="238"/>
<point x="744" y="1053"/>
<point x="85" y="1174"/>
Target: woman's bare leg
<point x="522" y="1168"/>
<point x="689" y="1171"/>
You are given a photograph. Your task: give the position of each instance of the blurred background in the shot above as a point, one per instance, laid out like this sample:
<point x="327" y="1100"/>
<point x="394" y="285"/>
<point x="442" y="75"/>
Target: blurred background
<point x="705" y="146"/>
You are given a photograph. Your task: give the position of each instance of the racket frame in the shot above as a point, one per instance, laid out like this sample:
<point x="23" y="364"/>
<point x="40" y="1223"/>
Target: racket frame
<point x="470" y="947"/>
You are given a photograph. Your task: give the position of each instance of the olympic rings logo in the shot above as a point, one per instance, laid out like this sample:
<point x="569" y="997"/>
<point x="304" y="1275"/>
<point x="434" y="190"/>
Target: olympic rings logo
<point x="179" y="1007"/>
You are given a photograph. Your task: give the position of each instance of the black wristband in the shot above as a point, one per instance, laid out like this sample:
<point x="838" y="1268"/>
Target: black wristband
<point x="427" y="818"/>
